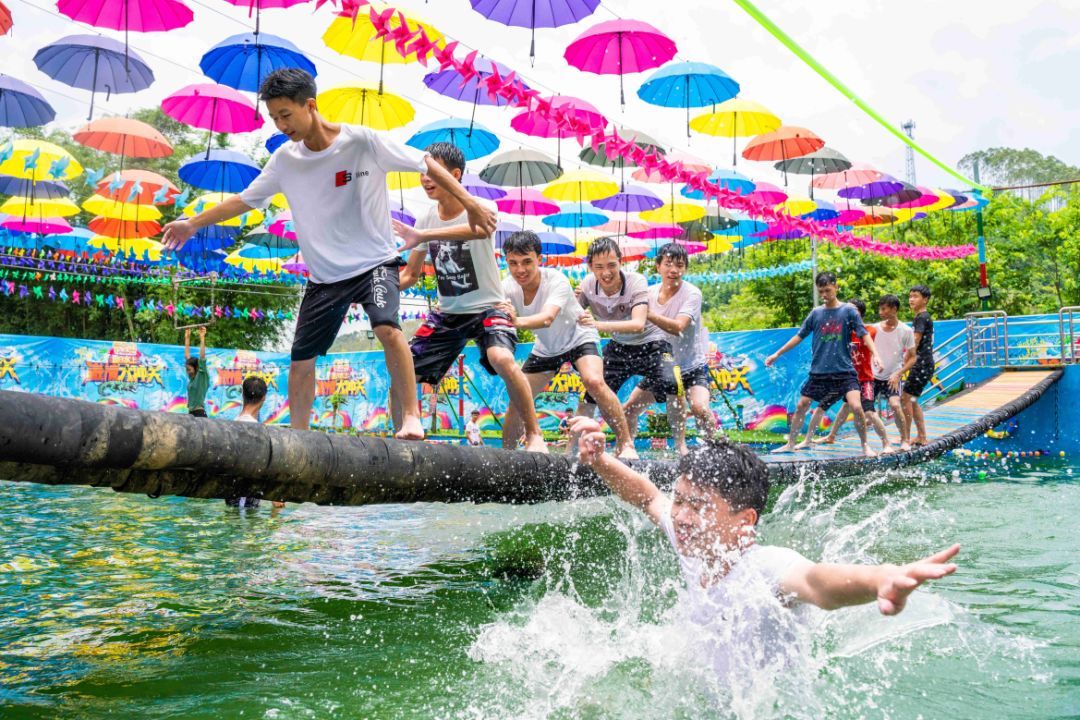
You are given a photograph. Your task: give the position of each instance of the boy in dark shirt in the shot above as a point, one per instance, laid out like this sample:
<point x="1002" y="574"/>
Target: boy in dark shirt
<point x="921" y="366"/>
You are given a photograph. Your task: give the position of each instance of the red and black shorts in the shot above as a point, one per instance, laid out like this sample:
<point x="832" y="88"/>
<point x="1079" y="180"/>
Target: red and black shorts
<point x="443" y="336"/>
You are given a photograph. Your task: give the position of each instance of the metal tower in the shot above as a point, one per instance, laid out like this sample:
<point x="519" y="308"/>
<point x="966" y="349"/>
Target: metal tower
<point x="909" y="130"/>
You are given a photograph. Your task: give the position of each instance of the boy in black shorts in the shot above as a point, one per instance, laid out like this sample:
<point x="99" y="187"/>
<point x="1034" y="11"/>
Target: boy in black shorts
<point x="334" y="177"/>
<point x="921" y="366"/>
<point x="470" y="298"/>
<point x="832" y="372"/>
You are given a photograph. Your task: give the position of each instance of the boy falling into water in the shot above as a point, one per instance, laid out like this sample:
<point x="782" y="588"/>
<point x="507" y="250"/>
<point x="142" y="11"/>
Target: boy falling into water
<point x="334" y="177"/>
<point x="921" y="364"/>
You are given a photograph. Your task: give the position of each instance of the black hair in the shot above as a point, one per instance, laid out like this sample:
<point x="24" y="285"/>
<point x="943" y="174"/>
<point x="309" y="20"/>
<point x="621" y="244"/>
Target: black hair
<point x="193" y="363"/>
<point x="889" y="301"/>
<point x="859" y="305"/>
<point x="475" y="412"/>
<point x="292" y="83"/>
<point x="674" y="252"/>
<point x="602" y="245"/>
<point x="825" y="278"/>
<point x="450" y="155"/>
<point x="254" y="388"/>
<point x="732" y="470"/>
<point x="522" y="242"/>
<point x="923" y="290"/>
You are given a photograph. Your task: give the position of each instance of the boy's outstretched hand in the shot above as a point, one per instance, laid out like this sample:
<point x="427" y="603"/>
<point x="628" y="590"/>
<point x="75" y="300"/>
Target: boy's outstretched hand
<point x="410" y="235"/>
<point x="898" y="582"/>
<point x="592" y="442"/>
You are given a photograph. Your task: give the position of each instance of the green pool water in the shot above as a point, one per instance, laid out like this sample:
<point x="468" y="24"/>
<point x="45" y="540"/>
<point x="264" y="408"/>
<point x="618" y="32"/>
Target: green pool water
<point x="124" y="606"/>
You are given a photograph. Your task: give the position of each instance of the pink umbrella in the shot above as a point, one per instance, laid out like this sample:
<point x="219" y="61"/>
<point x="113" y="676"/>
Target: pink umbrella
<point x="848" y="216"/>
<point x="526" y="201"/>
<point x="857" y="174"/>
<point x="617" y="47"/>
<point x="258" y="6"/>
<point x="212" y="107"/>
<point x="282" y="226"/>
<point x="622" y="227"/>
<point x="41" y="226"/>
<point x="632" y="247"/>
<point x="659" y="232"/>
<point x="690" y="162"/>
<point x="928" y="197"/>
<point x="533" y="123"/>
<point x="768" y="193"/>
<point x="128" y="15"/>
<point x="693" y="247"/>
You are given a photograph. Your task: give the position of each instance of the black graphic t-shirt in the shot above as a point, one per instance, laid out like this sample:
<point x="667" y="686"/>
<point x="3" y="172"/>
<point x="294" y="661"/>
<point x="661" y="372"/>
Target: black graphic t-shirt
<point x="924" y="351"/>
<point x="466" y="273"/>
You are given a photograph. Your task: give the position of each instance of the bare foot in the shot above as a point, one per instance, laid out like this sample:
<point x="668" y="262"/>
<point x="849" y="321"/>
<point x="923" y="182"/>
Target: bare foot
<point x="867" y="451"/>
<point x="905" y="446"/>
<point x="278" y="504"/>
<point x="827" y="440"/>
<point x="411" y="429"/>
<point x="535" y="443"/>
<point x="785" y="448"/>
<point x="888" y="449"/>
<point x="628" y="453"/>
<point x="918" y="442"/>
<point x="805" y="444"/>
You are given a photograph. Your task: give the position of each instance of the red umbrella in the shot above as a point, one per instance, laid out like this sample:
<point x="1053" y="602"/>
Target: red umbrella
<point x="782" y="144"/>
<point x="5" y="19"/>
<point x="117" y="228"/>
<point x="124" y="137"/>
<point x="617" y="47"/>
<point x="212" y="107"/>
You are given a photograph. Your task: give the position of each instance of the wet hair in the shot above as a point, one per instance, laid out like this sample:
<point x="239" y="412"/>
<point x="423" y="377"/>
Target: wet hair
<point x="522" y="242"/>
<point x="889" y="301"/>
<point x="292" y="83"/>
<point x="731" y="470"/>
<point x="193" y="363"/>
<point x="923" y="290"/>
<point x="602" y="245"/>
<point x="674" y="252"/>
<point x="254" y="388"/>
<point x="449" y="154"/>
<point x="859" y="305"/>
<point x="825" y="278"/>
<point x="475" y="412"/>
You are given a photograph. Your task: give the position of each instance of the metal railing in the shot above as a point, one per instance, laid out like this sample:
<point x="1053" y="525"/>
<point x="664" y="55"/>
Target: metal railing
<point x="987" y="338"/>
<point x="950" y="360"/>
<point x="1067" y="333"/>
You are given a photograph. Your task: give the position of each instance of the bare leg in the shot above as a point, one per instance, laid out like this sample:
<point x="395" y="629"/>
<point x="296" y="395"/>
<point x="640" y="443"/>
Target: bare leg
<point x="517" y="387"/>
<point x="513" y="426"/>
<point x="901" y="424"/>
<point x="854" y="401"/>
<point x="676" y="413"/>
<point x="812" y="428"/>
<point x="301" y="393"/>
<point x="879" y="427"/>
<point x="841" y="418"/>
<point x="591" y="370"/>
<point x="399" y="363"/>
<point x="701" y="410"/>
<point x="796" y="424"/>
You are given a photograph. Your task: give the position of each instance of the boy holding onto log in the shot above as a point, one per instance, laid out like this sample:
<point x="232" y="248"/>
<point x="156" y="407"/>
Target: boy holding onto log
<point x="334" y="177"/>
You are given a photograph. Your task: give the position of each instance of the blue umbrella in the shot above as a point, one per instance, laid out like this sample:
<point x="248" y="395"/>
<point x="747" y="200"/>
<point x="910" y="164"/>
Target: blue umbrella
<point x="552" y="243"/>
<point x="727" y="179"/>
<point x="22" y="105"/>
<point x="474" y="139"/>
<point x="219" y="171"/>
<point x="745" y="227"/>
<point x="95" y="63"/>
<point x="575" y="215"/>
<point x="243" y="61"/>
<point x="41" y="190"/>
<point x="202" y="262"/>
<point x="687" y="85"/>
<point x="74" y="241"/>
<point x="267" y="252"/>
<point x="824" y="212"/>
<point x="275" y="141"/>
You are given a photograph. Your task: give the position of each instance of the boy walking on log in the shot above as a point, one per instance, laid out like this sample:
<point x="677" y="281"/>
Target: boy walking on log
<point x="334" y="177"/>
<point x="921" y="365"/>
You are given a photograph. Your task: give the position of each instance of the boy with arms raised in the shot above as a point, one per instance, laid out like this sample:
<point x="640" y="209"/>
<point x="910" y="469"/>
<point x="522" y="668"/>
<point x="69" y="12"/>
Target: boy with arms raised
<point x="334" y="177"/>
<point x="675" y="308"/>
<point x="921" y="364"/>
<point x="832" y="373"/>
<point x="198" y="376"/>
<point x="542" y="300"/>
<point x="471" y="299"/>
<point x="711" y="520"/>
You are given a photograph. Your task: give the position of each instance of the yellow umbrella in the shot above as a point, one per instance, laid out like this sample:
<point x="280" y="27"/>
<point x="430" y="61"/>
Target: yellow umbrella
<point x="46" y="161"/>
<point x="248" y="264"/>
<point x="944" y="200"/>
<point x="279" y="201"/>
<point x="365" y="104"/>
<point x="720" y="244"/>
<point x="126" y="245"/>
<point x="40" y="207"/>
<point x="355" y="37"/>
<point x="736" y="118"/>
<point x="579" y="186"/>
<point x="131" y="212"/>
<point x="402" y="180"/>
<point x="673" y="213"/>
<point x="211" y="200"/>
<point x="797" y="205"/>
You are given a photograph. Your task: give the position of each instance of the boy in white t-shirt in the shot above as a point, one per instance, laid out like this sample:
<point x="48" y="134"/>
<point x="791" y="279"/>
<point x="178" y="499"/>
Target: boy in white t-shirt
<point x="711" y="519"/>
<point x="334" y="177"/>
<point x="542" y="300"/>
<point x="472" y="430"/>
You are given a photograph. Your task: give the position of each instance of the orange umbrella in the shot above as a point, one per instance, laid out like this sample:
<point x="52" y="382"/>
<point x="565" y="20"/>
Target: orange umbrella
<point x="150" y="185"/>
<point x="124" y="137"/>
<point x="784" y="143"/>
<point x="5" y="19"/>
<point x="114" y="228"/>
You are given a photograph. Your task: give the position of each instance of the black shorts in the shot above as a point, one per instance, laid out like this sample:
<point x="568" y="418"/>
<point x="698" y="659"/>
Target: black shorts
<point x="536" y="364"/>
<point x="652" y="361"/>
<point x="694" y="377"/>
<point x="443" y="336"/>
<point x="866" y="395"/>
<point x="882" y="389"/>
<point x="825" y="390"/>
<point x="918" y="378"/>
<point x="325" y="306"/>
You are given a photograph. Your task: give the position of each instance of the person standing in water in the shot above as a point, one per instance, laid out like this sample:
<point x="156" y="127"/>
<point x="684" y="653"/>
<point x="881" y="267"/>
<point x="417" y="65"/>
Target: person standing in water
<point x="253" y="391"/>
<point x="198" y="376"/>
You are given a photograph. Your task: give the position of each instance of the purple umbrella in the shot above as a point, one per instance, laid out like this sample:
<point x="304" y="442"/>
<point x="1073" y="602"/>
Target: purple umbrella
<point x="632" y="198"/>
<point x="452" y="84"/>
<point x="402" y="215"/>
<point x="882" y="187"/>
<point x="474" y="185"/>
<point x="534" y="14"/>
<point x="95" y="63"/>
<point x="22" y="105"/>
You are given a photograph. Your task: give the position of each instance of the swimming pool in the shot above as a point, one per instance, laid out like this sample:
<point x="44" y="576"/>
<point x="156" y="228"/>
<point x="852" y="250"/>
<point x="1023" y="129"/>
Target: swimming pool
<point x="117" y="605"/>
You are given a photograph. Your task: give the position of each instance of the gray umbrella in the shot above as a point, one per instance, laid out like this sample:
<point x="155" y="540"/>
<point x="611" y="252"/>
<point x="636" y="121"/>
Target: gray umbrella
<point x="518" y="168"/>
<point x="601" y="159"/>
<point x="820" y="162"/>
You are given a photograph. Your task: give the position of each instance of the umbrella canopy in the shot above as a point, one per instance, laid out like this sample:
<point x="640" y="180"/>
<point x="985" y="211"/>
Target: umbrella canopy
<point x="690" y="162"/>
<point x="138" y="186"/>
<point x="581" y="186"/>
<point x="908" y="193"/>
<point x="402" y="180"/>
<point x="820" y="162"/>
<point x="857" y="174"/>
<point x="452" y="84"/>
<point x="618" y="47"/>
<point x="401" y="214"/>
<point x="474" y="139"/>
<point x="220" y="170"/>
<point x="42" y="190"/>
<point x="280" y="246"/>
<point x="38" y="160"/>
<point x="71" y="241"/>
<point x="365" y="104"/>
<point x="520" y="167"/>
<point x="623" y="226"/>
<point x="825" y="212"/>
<point x="673" y="213"/>
<point x="926" y="198"/>
<point x="120" y="210"/>
<point x="129" y="16"/>
<point x="212" y="200"/>
<point x="687" y="85"/>
<point x="631" y="199"/>
<point x="553" y="243"/>
<point x="658" y="231"/>
<point x="22" y="105"/>
<point x="116" y="228"/>
<point x="41" y="226"/>
<point x="243" y="61"/>
<point x="125" y="246"/>
<point x="725" y="179"/>
<point x="275" y="141"/>
<point x="602" y="159"/>
<point x="769" y="194"/>
<point x="257" y="6"/>
<point x="216" y="108"/>
<point x="526" y="201"/>
<point x="5" y="19"/>
<point x="355" y="35"/>
<point x="95" y="63"/>
<point x="575" y="215"/>
<point x="882" y="187"/>
<point x="787" y="141"/>
<point x="266" y="251"/>
<point x="534" y="14"/>
<point x="797" y="206"/>
<point x="481" y="189"/>
<point x="533" y="123"/>
<point x="39" y="207"/>
<point x="736" y="118"/>
<point x="717" y="220"/>
<point x="124" y="137"/>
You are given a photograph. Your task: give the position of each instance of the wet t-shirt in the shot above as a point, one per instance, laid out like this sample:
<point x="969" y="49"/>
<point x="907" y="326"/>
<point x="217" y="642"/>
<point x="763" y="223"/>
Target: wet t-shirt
<point x="688" y="348"/>
<point x="197" y="387"/>
<point x="619" y="307"/>
<point x="832" y="329"/>
<point x="924" y="351"/>
<point x="466" y="273"/>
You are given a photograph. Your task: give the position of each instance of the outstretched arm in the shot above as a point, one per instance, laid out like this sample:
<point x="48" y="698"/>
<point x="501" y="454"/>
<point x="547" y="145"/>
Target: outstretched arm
<point x="672" y="326"/>
<point x="187" y="344"/>
<point x="795" y="340"/>
<point x="179" y="232"/>
<point x="414" y="237"/>
<point x="481" y="219"/>
<point x="202" y="345"/>
<point x="632" y="487"/>
<point x="832" y="586"/>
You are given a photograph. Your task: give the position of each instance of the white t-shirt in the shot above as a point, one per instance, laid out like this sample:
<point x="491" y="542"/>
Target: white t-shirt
<point x="892" y="346"/>
<point x="466" y="273"/>
<point x="688" y="348"/>
<point x="618" y="307"/>
<point x="246" y="418"/>
<point x="744" y="621"/>
<point x="338" y="197"/>
<point x="564" y="334"/>
<point x="472" y="433"/>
